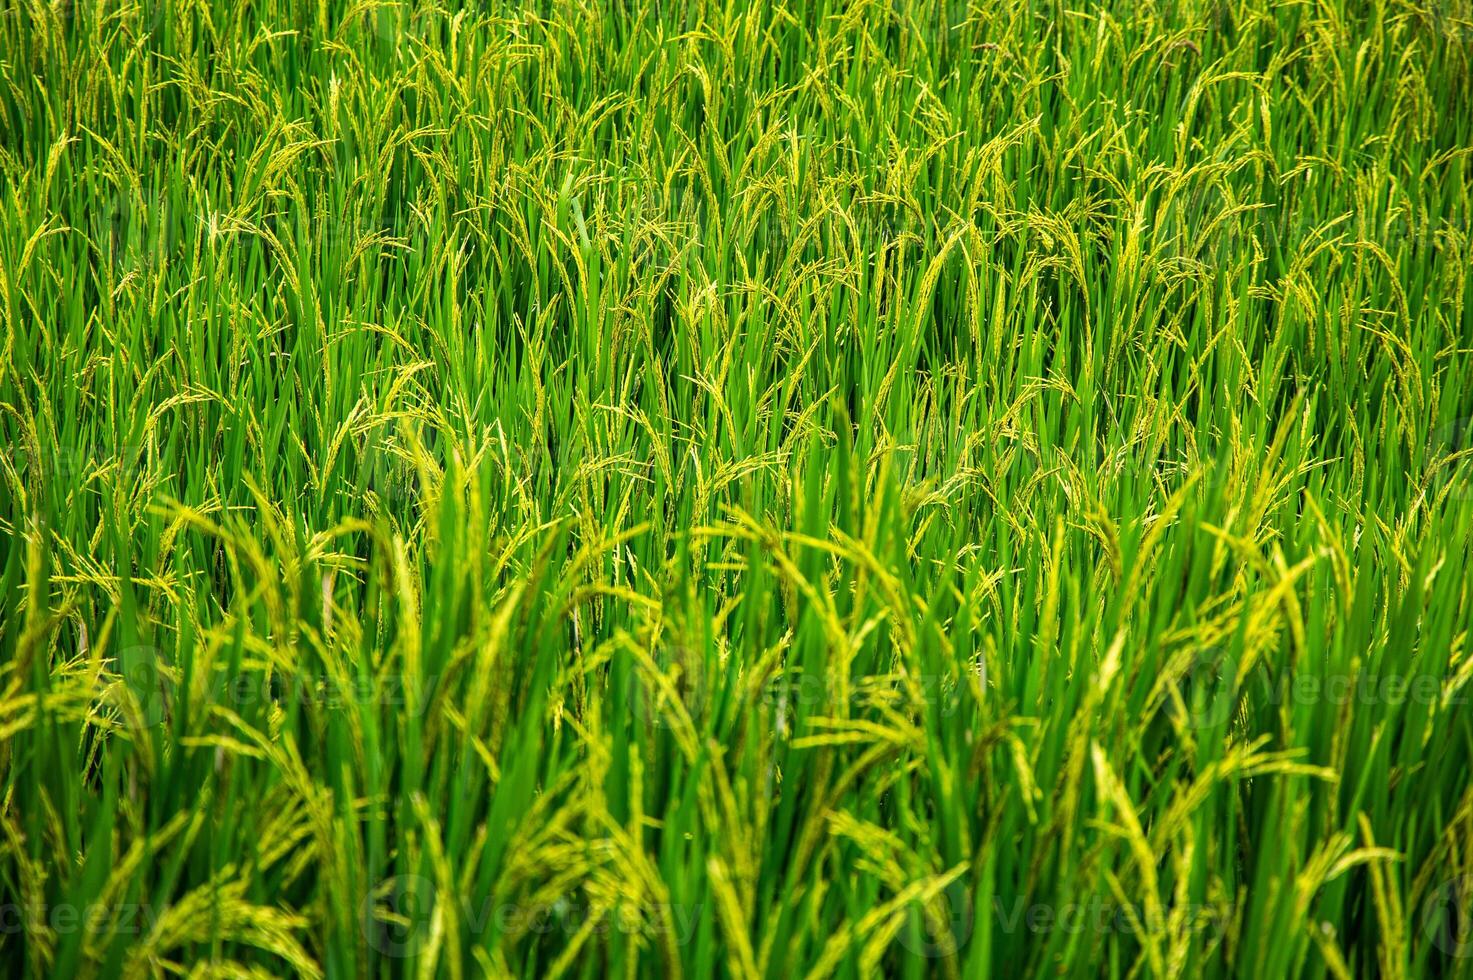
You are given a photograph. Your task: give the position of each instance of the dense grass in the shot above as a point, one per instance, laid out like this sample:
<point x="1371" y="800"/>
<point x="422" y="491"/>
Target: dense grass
<point x="772" y="490"/>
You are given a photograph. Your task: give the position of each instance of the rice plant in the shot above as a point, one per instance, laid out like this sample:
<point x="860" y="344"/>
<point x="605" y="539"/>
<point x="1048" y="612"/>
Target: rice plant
<point x="679" y="488"/>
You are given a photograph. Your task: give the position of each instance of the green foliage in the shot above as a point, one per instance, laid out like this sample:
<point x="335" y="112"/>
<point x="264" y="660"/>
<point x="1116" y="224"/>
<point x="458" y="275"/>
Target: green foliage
<point x="680" y="489"/>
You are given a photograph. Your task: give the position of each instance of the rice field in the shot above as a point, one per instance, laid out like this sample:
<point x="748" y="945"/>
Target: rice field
<point x="781" y="489"/>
